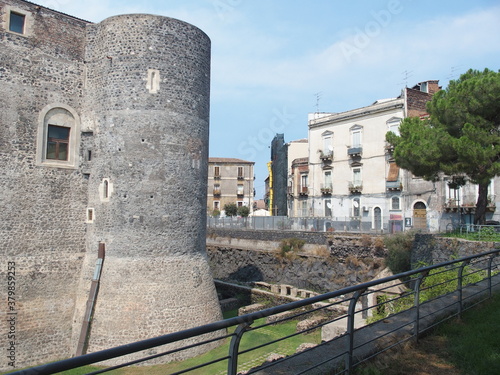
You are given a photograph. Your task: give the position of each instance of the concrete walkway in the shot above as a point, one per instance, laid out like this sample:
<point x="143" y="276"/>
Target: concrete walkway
<point x="371" y="339"/>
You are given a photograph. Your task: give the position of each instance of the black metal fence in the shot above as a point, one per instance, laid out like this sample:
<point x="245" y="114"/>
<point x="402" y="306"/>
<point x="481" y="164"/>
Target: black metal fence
<point x="356" y="323"/>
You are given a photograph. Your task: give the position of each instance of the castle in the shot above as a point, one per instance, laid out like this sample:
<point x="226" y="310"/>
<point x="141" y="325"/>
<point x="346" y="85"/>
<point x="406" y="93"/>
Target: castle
<point x="103" y="155"/>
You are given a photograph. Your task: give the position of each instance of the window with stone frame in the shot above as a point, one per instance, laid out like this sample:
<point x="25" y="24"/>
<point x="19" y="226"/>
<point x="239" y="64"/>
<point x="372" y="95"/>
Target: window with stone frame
<point x="58" y="137"/>
<point x="57" y="142"/>
<point x="17" y="22"/>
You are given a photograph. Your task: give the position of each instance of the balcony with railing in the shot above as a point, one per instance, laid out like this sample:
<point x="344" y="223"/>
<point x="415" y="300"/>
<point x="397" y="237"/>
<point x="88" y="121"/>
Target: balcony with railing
<point x="355" y="186"/>
<point x="394" y="185"/>
<point x="326" y="189"/>
<point x="326" y="156"/>
<point x="454" y="205"/>
<point x="304" y="190"/>
<point x="353" y="151"/>
<point x="216" y="192"/>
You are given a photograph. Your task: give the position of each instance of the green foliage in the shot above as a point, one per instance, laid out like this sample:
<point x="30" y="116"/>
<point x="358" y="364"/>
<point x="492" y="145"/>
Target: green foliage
<point x="290" y="246"/>
<point x="484" y="233"/>
<point x="243" y="211"/>
<point x="472" y="342"/>
<point x="439" y="282"/>
<point x="399" y="251"/>
<point x="461" y="137"/>
<point x="230" y="209"/>
<point x="215" y="213"/>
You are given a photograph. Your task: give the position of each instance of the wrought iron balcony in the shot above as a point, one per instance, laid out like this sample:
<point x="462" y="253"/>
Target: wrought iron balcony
<point x="326" y="189"/>
<point x="355" y="151"/>
<point x="355" y="186"/>
<point x="326" y="156"/>
<point x="394" y="185"/>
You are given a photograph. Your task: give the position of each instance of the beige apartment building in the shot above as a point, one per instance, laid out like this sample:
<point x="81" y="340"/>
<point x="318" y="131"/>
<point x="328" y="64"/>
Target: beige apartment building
<point x="350" y="180"/>
<point x="230" y="180"/>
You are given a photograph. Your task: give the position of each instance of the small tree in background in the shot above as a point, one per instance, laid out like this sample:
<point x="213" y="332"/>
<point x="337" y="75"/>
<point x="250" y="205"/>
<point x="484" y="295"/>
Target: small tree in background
<point x="230" y="209"/>
<point x="243" y="211"/>
<point x="399" y="251"/>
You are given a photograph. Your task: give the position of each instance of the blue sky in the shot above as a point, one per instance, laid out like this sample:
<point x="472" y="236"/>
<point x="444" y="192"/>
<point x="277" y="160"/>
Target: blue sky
<point x="275" y="61"/>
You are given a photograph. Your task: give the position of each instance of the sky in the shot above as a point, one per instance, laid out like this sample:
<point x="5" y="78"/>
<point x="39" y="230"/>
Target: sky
<point x="276" y="61"/>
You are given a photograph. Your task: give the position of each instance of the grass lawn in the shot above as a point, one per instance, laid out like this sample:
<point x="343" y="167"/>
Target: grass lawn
<point x="245" y="361"/>
<point x="464" y="346"/>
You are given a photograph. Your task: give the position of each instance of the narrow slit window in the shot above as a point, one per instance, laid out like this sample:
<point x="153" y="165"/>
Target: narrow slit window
<point x="90" y="215"/>
<point x="57" y="142"/>
<point x="106" y="189"/>
<point x="17" y="22"/>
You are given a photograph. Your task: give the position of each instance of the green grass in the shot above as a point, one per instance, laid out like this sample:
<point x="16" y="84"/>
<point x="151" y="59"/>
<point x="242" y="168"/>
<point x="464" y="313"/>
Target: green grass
<point x="484" y="234"/>
<point x="245" y="361"/>
<point x="474" y="340"/>
<point x="467" y="345"/>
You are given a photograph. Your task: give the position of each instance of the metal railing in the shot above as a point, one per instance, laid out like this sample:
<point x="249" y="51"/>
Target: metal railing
<point x="366" y="320"/>
<point x="354" y="224"/>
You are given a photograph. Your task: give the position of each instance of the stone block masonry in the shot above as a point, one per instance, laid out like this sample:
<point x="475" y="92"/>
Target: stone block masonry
<point x="132" y="93"/>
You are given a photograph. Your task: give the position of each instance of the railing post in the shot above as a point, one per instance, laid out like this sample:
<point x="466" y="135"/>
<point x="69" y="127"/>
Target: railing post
<point x="232" y="365"/>
<point x="490" y="262"/>
<point x="418" y="283"/>
<point x="351" y="312"/>
<point x="460" y="285"/>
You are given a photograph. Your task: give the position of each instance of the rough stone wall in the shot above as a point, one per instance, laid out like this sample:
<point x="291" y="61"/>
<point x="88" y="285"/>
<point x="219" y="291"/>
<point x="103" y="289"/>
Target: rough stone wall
<point x="431" y="249"/>
<point x="42" y="231"/>
<point x="138" y="87"/>
<point x="317" y="238"/>
<point x="344" y="266"/>
<point x="149" y="112"/>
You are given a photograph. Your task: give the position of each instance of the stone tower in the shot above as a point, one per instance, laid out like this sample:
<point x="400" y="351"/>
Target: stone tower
<point x="103" y="140"/>
<point x="149" y="111"/>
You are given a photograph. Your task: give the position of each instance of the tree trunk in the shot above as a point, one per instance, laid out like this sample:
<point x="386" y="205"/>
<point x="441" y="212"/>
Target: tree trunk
<point x="482" y="202"/>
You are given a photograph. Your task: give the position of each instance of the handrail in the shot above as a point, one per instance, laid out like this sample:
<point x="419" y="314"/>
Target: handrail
<point x="245" y="321"/>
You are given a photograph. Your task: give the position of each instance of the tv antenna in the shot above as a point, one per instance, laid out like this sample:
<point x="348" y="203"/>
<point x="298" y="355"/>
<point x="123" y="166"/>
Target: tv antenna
<point x="453" y="72"/>
<point x="318" y="96"/>
<point x="406" y="74"/>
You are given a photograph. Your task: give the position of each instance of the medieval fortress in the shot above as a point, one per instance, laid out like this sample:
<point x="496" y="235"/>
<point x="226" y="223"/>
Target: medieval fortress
<point x="104" y="145"/>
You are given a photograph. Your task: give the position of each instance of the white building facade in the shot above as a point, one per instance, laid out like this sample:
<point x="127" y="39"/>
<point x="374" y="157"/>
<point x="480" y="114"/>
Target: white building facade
<point x="350" y="181"/>
<point x="350" y="167"/>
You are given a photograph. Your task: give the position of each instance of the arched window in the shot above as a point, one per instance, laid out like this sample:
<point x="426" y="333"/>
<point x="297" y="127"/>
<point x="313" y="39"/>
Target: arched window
<point x="356" y="209"/>
<point x="58" y="137"/>
<point x="106" y="189"/>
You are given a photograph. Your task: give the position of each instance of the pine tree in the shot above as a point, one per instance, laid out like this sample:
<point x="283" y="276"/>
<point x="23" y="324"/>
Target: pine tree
<point x="460" y="138"/>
